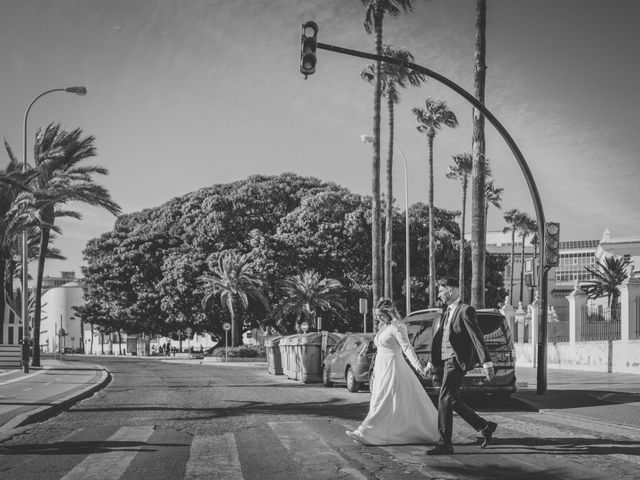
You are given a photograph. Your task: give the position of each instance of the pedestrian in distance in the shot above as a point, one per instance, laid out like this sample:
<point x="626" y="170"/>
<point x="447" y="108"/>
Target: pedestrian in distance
<point x="456" y="344"/>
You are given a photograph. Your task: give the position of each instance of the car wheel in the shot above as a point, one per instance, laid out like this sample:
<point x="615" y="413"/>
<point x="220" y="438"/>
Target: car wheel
<point x="325" y="377"/>
<point x="352" y="384"/>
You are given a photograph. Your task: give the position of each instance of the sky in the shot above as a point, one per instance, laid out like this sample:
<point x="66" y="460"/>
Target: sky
<point x="183" y="94"/>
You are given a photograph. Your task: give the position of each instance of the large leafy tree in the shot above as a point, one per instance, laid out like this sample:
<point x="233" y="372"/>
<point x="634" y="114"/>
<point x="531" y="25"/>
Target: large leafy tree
<point x="62" y="177"/>
<point x="608" y="275"/>
<point x="393" y="78"/>
<point x="478" y="212"/>
<point x="234" y="282"/>
<point x="307" y="294"/>
<point x="461" y="170"/>
<point x="430" y="119"/>
<point x="375" y="11"/>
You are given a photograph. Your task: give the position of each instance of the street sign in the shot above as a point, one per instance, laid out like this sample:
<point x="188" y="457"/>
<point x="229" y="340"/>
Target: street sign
<point x="364" y="308"/>
<point x="304" y="326"/>
<point x="188" y="330"/>
<point x="226" y="326"/>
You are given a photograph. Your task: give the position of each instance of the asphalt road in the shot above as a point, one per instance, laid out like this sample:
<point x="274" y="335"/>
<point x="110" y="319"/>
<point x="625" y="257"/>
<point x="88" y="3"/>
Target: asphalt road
<point x="159" y="420"/>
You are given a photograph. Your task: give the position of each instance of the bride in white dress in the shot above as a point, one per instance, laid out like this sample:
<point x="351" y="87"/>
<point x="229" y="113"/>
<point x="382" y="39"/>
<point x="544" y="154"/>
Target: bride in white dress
<point x="400" y="411"/>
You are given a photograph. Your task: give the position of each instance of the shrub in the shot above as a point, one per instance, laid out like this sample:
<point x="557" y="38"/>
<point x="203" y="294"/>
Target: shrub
<point x="246" y="351"/>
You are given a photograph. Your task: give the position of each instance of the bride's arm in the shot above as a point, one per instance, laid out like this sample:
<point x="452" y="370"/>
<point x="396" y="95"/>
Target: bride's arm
<point x="403" y="339"/>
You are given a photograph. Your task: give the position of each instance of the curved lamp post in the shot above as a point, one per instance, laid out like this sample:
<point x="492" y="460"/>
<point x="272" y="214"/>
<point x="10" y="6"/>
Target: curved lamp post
<point x="25" y="256"/>
<point x="369" y="139"/>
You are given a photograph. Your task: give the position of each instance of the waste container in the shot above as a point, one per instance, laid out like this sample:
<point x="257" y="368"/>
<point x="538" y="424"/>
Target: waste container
<point x="274" y="359"/>
<point x="287" y="355"/>
<point x="308" y="348"/>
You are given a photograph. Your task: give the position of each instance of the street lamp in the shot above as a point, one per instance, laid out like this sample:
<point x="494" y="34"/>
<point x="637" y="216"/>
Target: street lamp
<point x="369" y="139"/>
<point x="25" y="259"/>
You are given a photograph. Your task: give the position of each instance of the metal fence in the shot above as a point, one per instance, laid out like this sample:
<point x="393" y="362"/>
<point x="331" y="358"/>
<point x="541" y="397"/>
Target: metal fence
<point x="637" y="317"/>
<point x="558" y="331"/>
<point x="599" y="323"/>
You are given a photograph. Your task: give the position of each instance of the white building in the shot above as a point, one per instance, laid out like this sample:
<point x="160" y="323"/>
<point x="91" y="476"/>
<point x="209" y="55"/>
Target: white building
<point x="60" y="325"/>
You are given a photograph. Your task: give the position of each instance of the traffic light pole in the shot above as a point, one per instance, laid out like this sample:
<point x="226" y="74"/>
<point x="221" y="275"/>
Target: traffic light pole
<point x="541" y="386"/>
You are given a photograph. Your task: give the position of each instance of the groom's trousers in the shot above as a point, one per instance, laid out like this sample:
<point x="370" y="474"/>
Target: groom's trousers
<point x="450" y="401"/>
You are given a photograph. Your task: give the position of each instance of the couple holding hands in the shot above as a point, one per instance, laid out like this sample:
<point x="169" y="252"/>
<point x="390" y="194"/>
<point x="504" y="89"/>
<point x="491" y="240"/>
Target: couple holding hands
<point x="400" y="411"/>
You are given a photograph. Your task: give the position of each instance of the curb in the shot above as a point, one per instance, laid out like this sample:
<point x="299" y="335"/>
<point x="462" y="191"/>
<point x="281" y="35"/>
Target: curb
<point x="45" y="412"/>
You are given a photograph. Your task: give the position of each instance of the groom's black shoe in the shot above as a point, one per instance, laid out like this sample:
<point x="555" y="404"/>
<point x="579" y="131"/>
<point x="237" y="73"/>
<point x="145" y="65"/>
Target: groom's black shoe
<point x="487" y="433"/>
<point x="441" y="450"/>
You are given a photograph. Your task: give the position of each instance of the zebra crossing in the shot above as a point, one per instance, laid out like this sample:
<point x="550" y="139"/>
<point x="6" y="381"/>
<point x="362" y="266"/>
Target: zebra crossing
<point x="318" y="449"/>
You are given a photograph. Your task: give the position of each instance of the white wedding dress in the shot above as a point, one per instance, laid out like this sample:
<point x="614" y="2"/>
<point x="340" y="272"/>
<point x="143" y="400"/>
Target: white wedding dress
<point x="400" y="411"/>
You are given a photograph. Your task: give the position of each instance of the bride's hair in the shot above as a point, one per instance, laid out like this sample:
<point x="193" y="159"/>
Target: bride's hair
<point x="387" y="306"/>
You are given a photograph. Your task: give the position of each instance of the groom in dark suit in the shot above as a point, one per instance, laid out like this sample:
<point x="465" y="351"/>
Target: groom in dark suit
<point x="456" y="345"/>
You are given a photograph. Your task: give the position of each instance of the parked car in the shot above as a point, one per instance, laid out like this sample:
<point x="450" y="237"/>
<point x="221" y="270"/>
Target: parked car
<point x="348" y="361"/>
<point x="422" y="324"/>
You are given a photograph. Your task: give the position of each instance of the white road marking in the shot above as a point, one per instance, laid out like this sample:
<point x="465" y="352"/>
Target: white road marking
<point x="214" y="458"/>
<point x="112" y="464"/>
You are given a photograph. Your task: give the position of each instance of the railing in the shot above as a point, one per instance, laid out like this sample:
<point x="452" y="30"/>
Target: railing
<point x="637" y="317"/>
<point x="558" y="331"/>
<point x="599" y="323"/>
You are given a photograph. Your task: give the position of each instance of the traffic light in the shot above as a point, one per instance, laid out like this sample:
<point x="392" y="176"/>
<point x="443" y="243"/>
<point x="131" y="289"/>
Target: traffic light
<point x="551" y="244"/>
<point x="308" y="45"/>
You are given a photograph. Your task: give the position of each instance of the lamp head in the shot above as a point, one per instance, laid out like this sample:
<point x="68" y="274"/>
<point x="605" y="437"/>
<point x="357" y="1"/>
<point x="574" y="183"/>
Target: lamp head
<point x="76" y="90"/>
<point x="366" y="138"/>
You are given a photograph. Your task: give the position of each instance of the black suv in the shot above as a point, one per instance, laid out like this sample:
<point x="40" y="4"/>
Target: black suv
<point x="421" y="326"/>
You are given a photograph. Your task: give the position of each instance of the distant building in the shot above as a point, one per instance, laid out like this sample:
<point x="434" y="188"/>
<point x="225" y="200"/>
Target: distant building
<point x="60" y="325"/>
<point x="57" y="281"/>
<point x="574" y="257"/>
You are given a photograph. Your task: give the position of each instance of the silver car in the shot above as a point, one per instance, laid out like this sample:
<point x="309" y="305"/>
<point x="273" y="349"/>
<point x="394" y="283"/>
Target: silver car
<point x="348" y="361"/>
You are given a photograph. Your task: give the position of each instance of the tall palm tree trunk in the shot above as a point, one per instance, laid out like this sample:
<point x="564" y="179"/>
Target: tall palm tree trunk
<point x="522" y="269"/>
<point x="432" y="253"/>
<point x="37" y="313"/>
<point x="388" y="241"/>
<point x="513" y="257"/>
<point x="91" y="346"/>
<point x="236" y="316"/>
<point x="376" y="230"/>
<point x="478" y="233"/>
<point x="461" y="275"/>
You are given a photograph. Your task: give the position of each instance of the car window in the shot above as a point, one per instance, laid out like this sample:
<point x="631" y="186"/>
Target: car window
<point x="352" y="342"/>
<point x="495" y="330"/>
<point x="340" y="345"/>
<point x="420" y="332"/>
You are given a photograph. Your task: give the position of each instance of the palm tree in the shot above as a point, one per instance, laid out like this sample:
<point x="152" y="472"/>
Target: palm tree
<point x="235" y="281"/>
<point x="374" y="15"/>
<point x="60" y="179"/>
<point x="430" y="119"/>
<point x="461" y="170"/>
<point x="492" y="196"/>
<point x="526" y="226"/>
<point x="512" y="217"/>
<point x="478" y="231"/>
<point x="393" y="77"/>
<point x="17" y="213"/>
<point x="306" y="294"/>
<point x="608" y="275"/>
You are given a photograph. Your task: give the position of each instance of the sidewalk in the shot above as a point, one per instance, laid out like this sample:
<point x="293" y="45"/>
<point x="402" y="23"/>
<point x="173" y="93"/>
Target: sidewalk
<point x="46" y="390"/>
<point x="595" y="397"/>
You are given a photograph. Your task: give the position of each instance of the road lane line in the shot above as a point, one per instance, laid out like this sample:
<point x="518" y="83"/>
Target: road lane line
<point x="112" y="464"/>
<point x="214" y="458"/>
<point x="312" y="453"/>
<point x="24" y="377"/>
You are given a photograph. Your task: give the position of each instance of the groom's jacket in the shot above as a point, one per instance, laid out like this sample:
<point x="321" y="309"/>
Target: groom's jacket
<point x="465" y="337"/>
